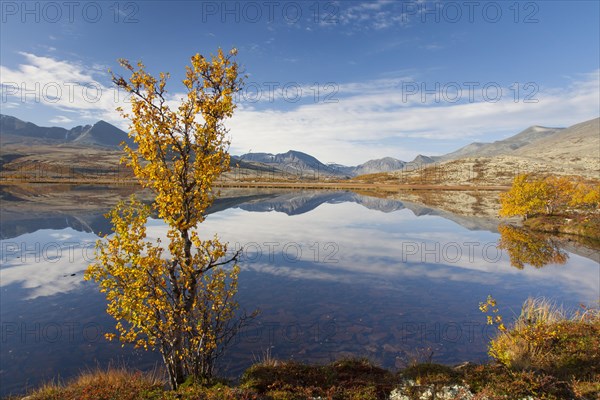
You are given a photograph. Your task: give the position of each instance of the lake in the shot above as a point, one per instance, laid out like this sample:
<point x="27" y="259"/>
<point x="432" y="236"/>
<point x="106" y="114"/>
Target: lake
<point x="334" y="274"/>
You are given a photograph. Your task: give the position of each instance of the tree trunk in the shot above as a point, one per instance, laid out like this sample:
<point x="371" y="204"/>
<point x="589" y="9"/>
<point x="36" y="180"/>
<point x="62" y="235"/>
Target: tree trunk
<point x="174" y="364"/>
<point x="176" y="377"/>
<point x="179" y="372"/>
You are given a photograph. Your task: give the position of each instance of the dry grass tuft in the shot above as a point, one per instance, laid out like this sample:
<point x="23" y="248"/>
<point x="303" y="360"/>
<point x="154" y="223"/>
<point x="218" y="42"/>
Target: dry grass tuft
<point x="97" y="384"/>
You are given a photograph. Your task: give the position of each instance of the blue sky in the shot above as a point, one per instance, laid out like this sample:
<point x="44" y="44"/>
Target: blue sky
<point x="346" y="81"/>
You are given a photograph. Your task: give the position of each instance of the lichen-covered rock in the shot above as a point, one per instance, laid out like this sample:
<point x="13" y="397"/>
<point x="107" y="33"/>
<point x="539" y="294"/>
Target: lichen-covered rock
<point x="430" y="392"/>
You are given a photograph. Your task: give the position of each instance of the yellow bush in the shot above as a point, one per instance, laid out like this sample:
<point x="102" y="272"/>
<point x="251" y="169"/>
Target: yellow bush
<point x="528" y="196"/>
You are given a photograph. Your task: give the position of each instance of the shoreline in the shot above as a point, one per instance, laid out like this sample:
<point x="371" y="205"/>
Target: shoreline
<point x="330" y="185"/>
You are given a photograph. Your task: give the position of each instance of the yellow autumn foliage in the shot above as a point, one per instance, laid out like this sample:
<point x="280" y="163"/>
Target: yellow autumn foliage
<point x="176" y="298"/>
<point x="529" y="196"/>
<point x="526" y="247"/>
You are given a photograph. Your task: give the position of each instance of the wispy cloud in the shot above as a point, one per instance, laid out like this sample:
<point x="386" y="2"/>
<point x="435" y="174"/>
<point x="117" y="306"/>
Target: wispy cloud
<point x="372" y="15"/>
<point x="46" y="262"/>
<point x="64" y="85"/>
<point x="61" y="119"/>
<point x="367" y="113"/>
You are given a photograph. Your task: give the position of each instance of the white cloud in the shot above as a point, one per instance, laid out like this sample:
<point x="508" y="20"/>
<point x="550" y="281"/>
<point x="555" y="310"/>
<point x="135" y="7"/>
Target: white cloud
<point x="342" y="242"/>
<point x="46" y="262"/>
<point x="377" y="15"/>
<point x="370" y="119"/>
<point x="367" y="254"/>
<point x="63" y="85"/>
<point x="61" y="119"/>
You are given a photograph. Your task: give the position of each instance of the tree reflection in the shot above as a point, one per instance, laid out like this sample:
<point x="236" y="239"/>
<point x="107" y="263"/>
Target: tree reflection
<point x="526" y="247"/>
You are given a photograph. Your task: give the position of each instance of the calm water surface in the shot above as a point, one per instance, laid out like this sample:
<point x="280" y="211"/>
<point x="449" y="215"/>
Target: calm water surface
<point x="334" y="275"/>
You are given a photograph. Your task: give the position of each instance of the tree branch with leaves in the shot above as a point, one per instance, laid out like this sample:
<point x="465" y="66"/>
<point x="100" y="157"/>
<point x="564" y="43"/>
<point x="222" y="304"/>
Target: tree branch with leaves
<point x="179" y="298"/>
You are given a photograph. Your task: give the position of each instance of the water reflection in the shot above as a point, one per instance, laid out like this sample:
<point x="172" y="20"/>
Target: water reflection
<point x="527" y="247"/>
<point x="46" y="262"/>
<point x="334" y="273"/>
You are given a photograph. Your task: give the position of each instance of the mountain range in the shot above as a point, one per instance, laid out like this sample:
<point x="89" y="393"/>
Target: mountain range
<point x="101" y="134"/>
<point x="24" y="216"/>
<point x="578" y="144"/>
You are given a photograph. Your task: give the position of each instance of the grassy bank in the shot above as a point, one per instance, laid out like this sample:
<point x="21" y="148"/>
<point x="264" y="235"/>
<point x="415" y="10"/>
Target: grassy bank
<point x="546" y="353"/>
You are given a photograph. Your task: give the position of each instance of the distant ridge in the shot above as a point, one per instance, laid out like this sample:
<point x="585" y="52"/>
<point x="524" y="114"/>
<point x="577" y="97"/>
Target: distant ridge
<point x="576" y="147"/>
<point x="298" y="162"/>
<point x="420" y="160"/>
<point x="501" y="147"/>
<point x="292" y="162"/>
<point x="577" y="141"/>
<point x="385" y="164"/>
<point x="572" y="151"/>
<point x="581" y="140"/>
<point x="102" y="134"/>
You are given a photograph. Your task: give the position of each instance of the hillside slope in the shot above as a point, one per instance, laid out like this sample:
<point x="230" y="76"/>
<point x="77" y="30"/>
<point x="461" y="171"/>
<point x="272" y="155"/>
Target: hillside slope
<point x="508" y="146"/>
<point x="580" y="141"/>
